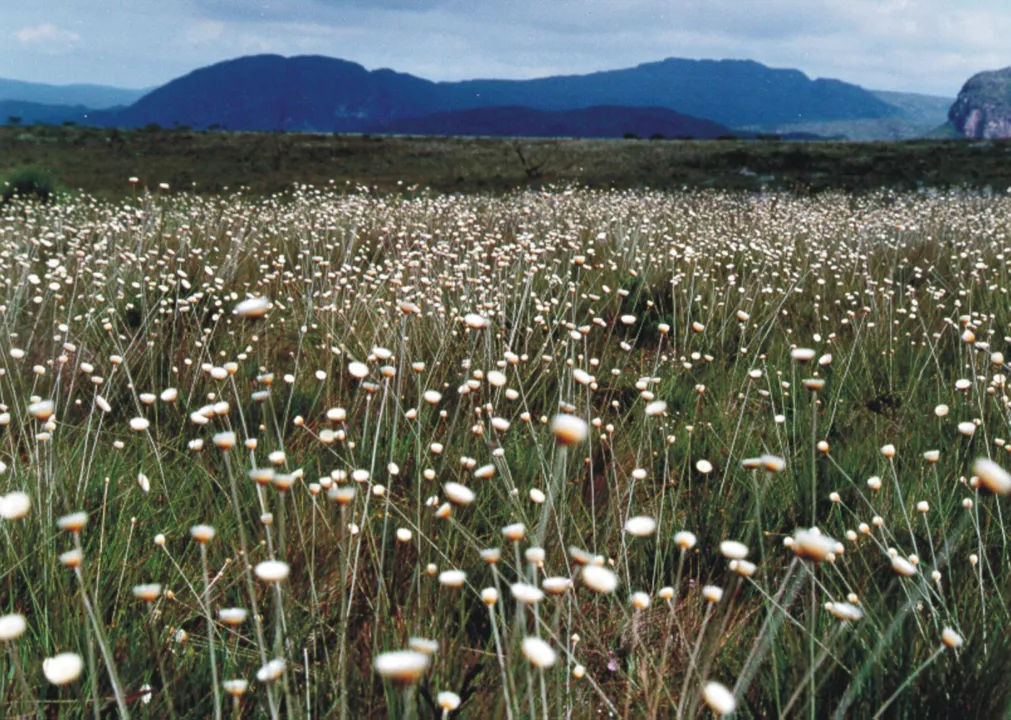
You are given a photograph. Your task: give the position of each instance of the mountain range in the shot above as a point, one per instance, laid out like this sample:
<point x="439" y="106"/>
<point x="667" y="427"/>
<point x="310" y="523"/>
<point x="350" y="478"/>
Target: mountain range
<point x="673" y="97"/>
<point x="95" y="97"/>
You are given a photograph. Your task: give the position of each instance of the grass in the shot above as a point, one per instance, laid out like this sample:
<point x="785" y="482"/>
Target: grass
<point x="100" y="162"/>
<point x="513" y="308"/>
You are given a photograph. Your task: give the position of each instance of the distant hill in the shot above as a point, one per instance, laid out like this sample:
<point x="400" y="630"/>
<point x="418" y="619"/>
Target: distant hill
<point x="595" y="122"/>
<point x="983" y="106"/>
<point x="945" y="131"/>
<point x="914" y="116"/>
<point x="312" y="93"/>
<point x="923" y="110"/>
<point x="270" y="92"/>
<point x="732" y="92"/>
<point x="91" y="96"/>
<point x="28" y="113"/>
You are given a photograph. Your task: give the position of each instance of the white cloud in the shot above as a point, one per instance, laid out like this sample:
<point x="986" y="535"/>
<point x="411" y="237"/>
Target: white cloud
<point x="916" y="45"/>
<point x="204" y="31"/>
<point x="48" y="38"/>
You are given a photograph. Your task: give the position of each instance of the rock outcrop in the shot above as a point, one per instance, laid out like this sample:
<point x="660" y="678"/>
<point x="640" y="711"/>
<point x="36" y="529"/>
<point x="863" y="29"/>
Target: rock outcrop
<point x="983" y="107"/>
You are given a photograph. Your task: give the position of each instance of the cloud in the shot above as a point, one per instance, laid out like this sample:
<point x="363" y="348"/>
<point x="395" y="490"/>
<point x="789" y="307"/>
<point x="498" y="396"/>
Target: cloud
<point x="203" y="31"/>
<point x="916" y="45"/>
<point x="48" y="38"/>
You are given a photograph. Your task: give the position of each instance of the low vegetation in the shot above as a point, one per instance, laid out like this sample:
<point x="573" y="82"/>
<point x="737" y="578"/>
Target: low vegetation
<point x="540" y="454"/>
<point x="99" y="162"/>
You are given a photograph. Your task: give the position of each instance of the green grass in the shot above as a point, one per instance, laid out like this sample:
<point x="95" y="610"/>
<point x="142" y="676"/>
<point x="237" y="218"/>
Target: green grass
<point x="133" y="297"/>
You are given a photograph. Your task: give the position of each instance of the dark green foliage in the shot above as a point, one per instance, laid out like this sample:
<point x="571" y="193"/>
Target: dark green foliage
<point x="208" y="162"/>
<point x="28" y="183"/>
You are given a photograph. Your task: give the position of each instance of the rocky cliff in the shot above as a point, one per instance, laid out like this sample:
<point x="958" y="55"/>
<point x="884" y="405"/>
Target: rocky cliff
<point x="983" y="107"/>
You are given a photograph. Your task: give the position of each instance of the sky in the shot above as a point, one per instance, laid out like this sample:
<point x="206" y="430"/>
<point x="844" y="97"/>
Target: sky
<point x="928" y="46"/>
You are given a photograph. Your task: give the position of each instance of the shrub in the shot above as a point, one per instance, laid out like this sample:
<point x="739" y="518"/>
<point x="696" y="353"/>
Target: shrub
<point x="28" y="182"/>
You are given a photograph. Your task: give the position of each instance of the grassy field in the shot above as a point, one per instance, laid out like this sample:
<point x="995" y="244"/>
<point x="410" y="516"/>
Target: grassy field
<point x="576" y="453"/>
<point x="100" y="162"/>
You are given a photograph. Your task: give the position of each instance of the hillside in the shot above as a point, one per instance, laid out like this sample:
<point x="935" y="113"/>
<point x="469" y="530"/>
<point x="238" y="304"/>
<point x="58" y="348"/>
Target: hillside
<point x="96" y="97"/>
<point x="915" y="116"/>
<point x="269" y="92"/>
<point x="594" y="122"/>
<point x="918" y="109"/>
<point x="983" y="106"/>
<point x="732" y="92"/>
<point x="312" y="93"/>
<point x="29" y="113"/>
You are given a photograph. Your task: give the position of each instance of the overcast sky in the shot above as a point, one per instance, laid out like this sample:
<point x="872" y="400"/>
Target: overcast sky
<point x="929" y="46"/>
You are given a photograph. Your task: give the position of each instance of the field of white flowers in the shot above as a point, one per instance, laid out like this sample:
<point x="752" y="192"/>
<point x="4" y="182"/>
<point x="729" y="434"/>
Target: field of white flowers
<point x="546" y="454"/>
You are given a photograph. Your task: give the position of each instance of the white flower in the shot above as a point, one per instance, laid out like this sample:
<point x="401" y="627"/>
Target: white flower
<point x="147" y="592"/>
<point x="685" y="540"/>
<point x="402" y="666"/>
<point x="514" y="532"/>
<point x="12" y="627"/>
<point x="640" y="526"/>
<point x="358" y="370"/>
<point x="475" y="321"/>
<point x="812" y="545"/>
<point x="718" y="697"/>
<point x="568" y="429"/>
<point x="658" y="407"/>
<point x="202" y="533"/>
<point x="63" y="668"/>
<point x="951" y="638"/>
<point x="224" y="440"/>
<point x="484" y="472"/>
<point x="599" y="579"/>
<point x="845" y="611"/>
<point x="233" y="616"/>
<point x="459" y="494"/>
<point x="712" y="593"/>
<point x="452" y="578"/>
<point x="903" y="567"/>
<point x="271" y="671"/>
<point x="773" y="463"/>
<point x="41" y="410"/>
<point x="74" y="522"/>
<point x="733" y="550"/>
<point x="992" y="476"/>
<point x="556" y="585"/>
<point x="448" y="701"/>
<point x="253" y="307"/>
<point x="538" y="653"/>
<point x="235" y="688"/>
<point x="639" y="600"/>
<point x="15" y="505"/>
<point x="526" y="593"/>
<point x="272" y="571"/>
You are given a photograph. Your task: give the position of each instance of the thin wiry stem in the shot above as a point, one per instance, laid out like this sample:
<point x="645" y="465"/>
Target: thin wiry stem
<point x="210" y="631"/>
